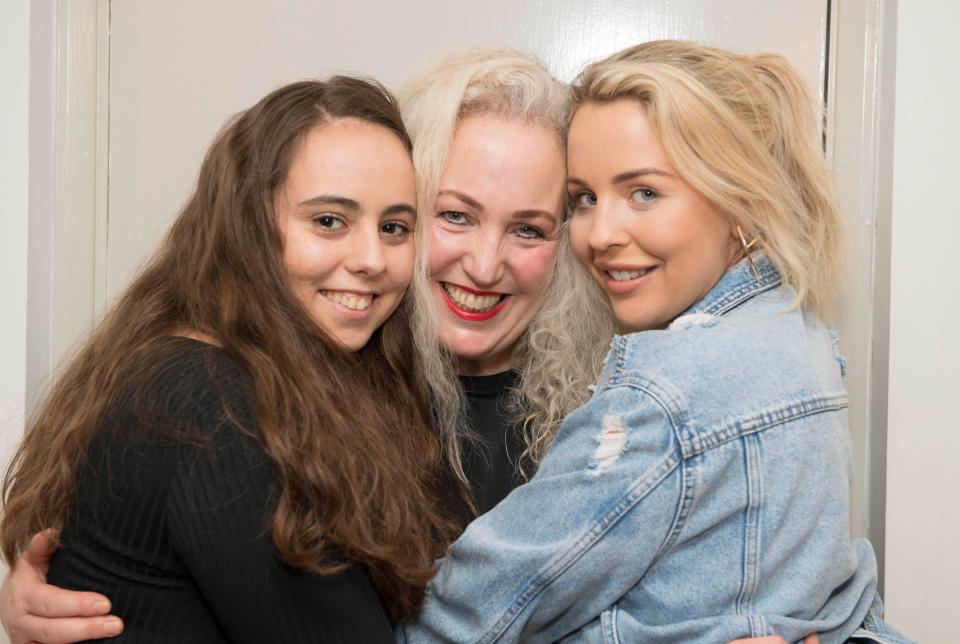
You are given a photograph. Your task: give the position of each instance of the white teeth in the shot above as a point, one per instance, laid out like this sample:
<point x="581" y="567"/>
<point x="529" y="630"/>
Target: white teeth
<point x="622" y="276"/>
<point x="469" y="301"/>
<point x="351" y="301"/>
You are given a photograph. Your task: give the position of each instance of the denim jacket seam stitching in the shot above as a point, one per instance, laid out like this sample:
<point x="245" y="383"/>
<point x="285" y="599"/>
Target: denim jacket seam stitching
<point x="752" y="539"/>
<point x="636" y="493"/>
<point x="687" y="494"/>
<point x="693" y="445"/>
<point x="737" y="297"/>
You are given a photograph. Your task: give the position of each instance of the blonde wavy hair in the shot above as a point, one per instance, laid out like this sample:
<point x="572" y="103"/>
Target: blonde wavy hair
<point x="560" y="353"/>
<point x="743" y="130"/>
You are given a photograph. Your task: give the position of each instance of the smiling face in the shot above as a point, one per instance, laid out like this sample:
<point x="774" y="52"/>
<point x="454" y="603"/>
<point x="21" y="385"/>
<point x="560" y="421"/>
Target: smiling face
<point x="494" y="236"/>
<point x="653" y="242"/>
<point x="346" y="215"/>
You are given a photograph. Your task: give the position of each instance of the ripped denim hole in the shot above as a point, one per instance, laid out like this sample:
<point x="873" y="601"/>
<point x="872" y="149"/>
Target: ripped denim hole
<point x="613" y="439"/>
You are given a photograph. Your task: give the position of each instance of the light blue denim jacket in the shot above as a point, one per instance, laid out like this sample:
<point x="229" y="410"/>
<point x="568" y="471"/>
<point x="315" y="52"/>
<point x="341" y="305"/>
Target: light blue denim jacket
<point x="701" y="495"/>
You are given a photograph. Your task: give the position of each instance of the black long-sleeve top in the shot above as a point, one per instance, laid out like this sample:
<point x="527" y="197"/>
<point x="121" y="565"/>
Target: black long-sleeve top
<point x="170" y="519"/>
<point x="491" y="456"/>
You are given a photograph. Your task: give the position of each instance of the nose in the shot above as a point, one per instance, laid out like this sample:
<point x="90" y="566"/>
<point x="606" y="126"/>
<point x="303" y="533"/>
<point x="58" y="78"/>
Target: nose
<point x="365" y="252"/>
<point x="483" y="263"/>
<point x="607" y="228"/>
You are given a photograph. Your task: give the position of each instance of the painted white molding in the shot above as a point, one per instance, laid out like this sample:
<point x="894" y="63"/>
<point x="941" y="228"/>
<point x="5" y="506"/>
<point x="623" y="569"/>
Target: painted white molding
<point x="81" y="100"/>
<point x="859" y="146"/>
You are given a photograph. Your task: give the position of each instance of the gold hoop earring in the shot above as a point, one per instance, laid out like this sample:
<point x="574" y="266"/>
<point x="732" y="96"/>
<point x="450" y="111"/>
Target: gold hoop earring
<point x="746" y="246"/>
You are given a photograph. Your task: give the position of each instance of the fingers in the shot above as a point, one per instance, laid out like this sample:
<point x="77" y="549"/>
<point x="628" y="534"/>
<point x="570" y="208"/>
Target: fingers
<point x="64" y="630"/>
<point x="41" y="547"/>
<point x="812" y="639"/>
<point x="43" y="600"/>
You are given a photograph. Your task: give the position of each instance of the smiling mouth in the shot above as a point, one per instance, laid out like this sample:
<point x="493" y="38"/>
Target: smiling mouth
<point x="626" y="276"/>
<point x="472" y="301"/>
<point x="352" y="301"/>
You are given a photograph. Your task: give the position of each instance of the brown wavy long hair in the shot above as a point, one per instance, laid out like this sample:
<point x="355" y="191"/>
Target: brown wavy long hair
<point x="359" y="466"/>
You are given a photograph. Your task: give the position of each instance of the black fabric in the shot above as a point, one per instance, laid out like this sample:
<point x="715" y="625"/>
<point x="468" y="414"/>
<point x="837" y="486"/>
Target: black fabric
<point x="490" y="459"/>
<point x="170" y="520"/>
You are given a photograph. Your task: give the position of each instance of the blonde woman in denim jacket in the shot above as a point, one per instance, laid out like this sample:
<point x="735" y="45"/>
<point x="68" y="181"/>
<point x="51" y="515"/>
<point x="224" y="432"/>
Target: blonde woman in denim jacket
<point x="701" y="495"/>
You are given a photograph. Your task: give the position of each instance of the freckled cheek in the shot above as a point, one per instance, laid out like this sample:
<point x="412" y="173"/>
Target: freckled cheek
<point x="446" y="249"/>
<point x="531" y="268"/>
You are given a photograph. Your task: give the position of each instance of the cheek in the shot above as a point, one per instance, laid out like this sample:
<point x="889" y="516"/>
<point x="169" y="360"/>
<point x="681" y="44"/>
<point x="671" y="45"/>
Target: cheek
<point x="400" y="263"/>
<point x="307" y="258"/>
<point x="531" y="268"/>
<point x="579" y="235"/>
<point x="446" y="248"/>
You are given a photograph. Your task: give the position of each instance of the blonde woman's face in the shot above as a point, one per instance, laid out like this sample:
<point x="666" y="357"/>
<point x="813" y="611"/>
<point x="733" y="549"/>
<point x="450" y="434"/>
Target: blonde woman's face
<point x="346" y="213"/>
<point x="494" y="237"/>
<point x="652" y="241"/>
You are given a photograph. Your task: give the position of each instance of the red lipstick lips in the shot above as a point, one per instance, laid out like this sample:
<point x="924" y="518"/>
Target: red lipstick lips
<point x="473" y="316"/>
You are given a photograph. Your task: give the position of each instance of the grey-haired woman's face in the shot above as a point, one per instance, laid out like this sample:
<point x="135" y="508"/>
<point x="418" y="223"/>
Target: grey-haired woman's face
<point x="494" y="236"/>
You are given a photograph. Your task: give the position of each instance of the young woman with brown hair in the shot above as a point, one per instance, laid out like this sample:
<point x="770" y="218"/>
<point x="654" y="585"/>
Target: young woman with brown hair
<point x="241" y="450"/>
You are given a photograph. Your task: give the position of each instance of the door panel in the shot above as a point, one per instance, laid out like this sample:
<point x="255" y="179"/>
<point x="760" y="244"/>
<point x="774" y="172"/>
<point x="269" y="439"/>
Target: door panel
<point x="179" y="68"/>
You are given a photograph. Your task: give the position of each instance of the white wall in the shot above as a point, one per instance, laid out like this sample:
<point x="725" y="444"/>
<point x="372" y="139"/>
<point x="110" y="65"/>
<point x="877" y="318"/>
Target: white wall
<point x="923" y="449"/>
<point x="14" y="160"/>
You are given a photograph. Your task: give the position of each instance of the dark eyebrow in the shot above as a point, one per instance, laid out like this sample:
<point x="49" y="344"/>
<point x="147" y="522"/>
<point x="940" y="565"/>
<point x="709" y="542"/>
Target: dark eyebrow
<point x="399" y="209"/>
<point x="324" y="200"/>
<point x="467" y="199"/>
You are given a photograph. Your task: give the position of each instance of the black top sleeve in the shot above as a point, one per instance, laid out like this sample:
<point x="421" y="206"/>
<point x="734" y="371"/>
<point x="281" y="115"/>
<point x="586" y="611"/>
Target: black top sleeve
<point x="213" y="570"/>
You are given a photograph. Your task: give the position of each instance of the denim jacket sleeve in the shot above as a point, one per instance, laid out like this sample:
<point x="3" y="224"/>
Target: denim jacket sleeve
<point x="562" y="548"/>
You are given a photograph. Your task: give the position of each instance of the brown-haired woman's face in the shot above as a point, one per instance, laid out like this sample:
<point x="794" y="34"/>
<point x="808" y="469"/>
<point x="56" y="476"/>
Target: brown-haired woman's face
<point x="494" y="236"/>
<point x="346" y="213"/>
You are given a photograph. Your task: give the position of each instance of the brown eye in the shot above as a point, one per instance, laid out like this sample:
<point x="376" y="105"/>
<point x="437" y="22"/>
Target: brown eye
<point x="330" y="222"/>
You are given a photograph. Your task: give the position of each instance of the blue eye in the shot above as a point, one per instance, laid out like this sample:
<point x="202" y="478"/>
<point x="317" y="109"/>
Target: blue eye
<point x="644" y="194"/>
<point x="529" y="232"/>
<point x="395" y="229"/>
<point x="330" y="222"/>
<point x="583" y="199"/>
<point x="454" y="217"/>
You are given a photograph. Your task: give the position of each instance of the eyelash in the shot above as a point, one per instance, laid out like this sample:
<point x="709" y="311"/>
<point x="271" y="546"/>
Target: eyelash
<point x="445" y="215"/>
<point x="404" y="231"/>
<point x="527" y="231"/>
<point x="574" y="200"/>
<point x="319" y="220"/>
<point x="653" y="194"/>
<point x="326" y="223"/>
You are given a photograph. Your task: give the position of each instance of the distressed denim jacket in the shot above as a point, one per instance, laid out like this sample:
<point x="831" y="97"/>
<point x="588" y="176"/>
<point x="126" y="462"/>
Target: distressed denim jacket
<point x="701" y="495"/>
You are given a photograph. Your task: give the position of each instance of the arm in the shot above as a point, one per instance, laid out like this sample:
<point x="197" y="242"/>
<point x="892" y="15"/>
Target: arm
<point x="219" y="513"/>
<point x="551" y="556"/>
<point x="33" y="611"/>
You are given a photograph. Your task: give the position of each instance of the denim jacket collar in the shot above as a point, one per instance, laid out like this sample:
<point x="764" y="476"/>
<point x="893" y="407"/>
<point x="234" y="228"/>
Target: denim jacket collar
<point x="737" y="285"/>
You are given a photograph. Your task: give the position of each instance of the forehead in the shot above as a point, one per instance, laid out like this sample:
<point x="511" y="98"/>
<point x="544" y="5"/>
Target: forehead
<point x="495" y="156"/>
<point x="613" y="134"/>
<point x="349" y="154"/>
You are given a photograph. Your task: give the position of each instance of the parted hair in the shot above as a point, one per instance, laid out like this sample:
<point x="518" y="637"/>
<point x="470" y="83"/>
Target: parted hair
<point x="743" y="130"/>
<point x="561" y="351"/>
<point x="360" y="468"/>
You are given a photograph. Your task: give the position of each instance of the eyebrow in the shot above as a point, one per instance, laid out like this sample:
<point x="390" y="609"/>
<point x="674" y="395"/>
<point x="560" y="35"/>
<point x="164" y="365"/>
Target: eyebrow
<point x="352" y="204"/>
<point x="625" y="176"/>
<point x="323" y="200"/>
<point x="467" y="199"/>
<point x="533" y="214"/>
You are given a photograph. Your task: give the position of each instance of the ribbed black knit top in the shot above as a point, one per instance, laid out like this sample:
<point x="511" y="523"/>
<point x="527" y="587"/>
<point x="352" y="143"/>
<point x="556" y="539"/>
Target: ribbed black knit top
<point x="173" y="526"/>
